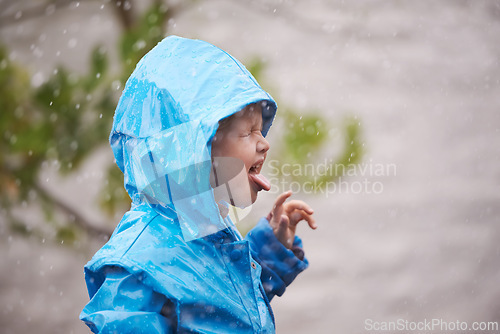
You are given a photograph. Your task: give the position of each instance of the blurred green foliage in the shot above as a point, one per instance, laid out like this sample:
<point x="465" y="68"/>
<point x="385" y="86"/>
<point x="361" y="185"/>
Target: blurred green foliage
<point x="303" y="134"/>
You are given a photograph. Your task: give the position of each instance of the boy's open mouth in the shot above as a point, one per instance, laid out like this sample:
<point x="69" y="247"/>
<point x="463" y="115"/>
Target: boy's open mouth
<point x="258" y="179"/>
<point x="256" y="167"/>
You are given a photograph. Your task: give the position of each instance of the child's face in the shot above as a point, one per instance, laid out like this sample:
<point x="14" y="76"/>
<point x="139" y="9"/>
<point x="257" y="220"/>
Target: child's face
<point x="238" y="153"/>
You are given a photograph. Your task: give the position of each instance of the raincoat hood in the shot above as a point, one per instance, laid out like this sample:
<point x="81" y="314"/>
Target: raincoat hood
<point x="165" y="121"/>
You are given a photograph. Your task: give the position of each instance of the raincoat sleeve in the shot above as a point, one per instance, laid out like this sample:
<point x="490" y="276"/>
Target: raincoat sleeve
<point x="280" y="265"/>
<point x="123" y="304"/>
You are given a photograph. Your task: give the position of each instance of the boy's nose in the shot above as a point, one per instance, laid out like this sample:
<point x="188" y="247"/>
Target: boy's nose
<point x="262" y="145"/>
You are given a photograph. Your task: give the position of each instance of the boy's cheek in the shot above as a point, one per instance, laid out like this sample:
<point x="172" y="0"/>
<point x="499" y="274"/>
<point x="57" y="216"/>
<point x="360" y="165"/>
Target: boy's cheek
<point x="226" y="168"/>
<point x="229" y="179"/>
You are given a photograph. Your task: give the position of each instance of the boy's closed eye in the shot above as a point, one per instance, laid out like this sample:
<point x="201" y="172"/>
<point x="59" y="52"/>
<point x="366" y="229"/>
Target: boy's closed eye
<point x="247" y="133"/>
<point x="255" y="132"/>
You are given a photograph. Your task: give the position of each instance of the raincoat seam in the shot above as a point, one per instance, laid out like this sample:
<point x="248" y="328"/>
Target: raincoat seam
<point x="138" y="235"/>
<point x="243" y="71"/>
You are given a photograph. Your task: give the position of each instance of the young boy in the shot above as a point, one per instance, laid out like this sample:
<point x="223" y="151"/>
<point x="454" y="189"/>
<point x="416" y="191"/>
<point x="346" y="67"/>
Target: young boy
<point x="188" y="134"/>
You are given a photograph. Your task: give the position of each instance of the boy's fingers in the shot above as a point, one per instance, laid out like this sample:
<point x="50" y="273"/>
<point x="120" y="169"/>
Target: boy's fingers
<point x="282" y="198"/>
<point x="298" y="215"/>
<point x="279" y="202"/>
<point x="298" y="204"/>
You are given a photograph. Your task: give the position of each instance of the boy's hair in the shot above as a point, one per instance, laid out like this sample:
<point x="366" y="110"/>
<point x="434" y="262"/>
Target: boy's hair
<point x="224" y="123"/>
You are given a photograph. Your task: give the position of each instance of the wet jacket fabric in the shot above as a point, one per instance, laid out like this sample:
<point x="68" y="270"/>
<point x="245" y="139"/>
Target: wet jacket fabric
<point x="173" y="263"/>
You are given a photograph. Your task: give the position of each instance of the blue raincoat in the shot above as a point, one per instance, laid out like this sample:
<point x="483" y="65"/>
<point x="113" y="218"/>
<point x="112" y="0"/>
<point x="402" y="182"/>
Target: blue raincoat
<point x="174" y="264"/>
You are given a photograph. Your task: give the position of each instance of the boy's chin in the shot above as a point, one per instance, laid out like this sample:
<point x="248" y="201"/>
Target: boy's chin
<point x="244" y="201"/>
<point x="254" y="196"/>
<point x="243" y="204"/>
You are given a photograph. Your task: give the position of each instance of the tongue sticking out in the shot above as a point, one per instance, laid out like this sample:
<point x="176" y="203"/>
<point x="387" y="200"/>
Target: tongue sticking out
<point x="261" y="181"/>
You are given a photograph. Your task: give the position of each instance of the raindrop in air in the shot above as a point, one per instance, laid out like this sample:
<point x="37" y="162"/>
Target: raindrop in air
<point x="72" y="43"/>
<point x="50" y="9"/>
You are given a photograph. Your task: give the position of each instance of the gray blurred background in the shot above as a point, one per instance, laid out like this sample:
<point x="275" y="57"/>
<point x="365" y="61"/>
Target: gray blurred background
<point x="421" y="79"/>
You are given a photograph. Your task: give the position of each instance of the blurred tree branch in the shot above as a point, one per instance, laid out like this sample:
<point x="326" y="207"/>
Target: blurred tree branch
<point x="91" y="228"/>
<point x="125" y="13"/>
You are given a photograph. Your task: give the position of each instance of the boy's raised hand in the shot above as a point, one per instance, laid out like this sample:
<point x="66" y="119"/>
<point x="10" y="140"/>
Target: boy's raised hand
<point x="284" y="218"/>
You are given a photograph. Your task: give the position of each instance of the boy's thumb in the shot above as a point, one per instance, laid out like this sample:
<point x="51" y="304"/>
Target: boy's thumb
<point x="281" y="230"/>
